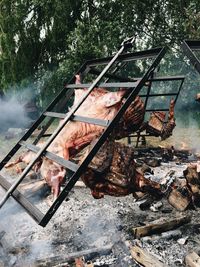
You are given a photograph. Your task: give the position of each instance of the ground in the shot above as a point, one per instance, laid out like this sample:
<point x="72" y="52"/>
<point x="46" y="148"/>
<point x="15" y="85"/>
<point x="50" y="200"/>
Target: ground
<point x="84" y="223"/>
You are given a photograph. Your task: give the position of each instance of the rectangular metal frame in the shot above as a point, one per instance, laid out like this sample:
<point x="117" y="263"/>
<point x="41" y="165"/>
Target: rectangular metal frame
<point x="180" y="78"/>
<point x="189" y="46"/>
<point x="65" y="94"/>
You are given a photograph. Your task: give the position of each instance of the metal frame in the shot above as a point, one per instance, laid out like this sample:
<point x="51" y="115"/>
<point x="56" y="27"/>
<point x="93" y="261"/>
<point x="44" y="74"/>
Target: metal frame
<point x="65" y="94"/>
<point x="151" y="95"/>
<point x="189" y="46"/>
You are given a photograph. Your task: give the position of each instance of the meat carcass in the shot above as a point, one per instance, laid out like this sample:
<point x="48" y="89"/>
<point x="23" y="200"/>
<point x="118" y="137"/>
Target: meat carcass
<point x="157" y="126"/>
<point x="26" y="158"/>
<point x="131" y="120"/>
<point x="113" y="172"/>
<point x="100" y="104"/>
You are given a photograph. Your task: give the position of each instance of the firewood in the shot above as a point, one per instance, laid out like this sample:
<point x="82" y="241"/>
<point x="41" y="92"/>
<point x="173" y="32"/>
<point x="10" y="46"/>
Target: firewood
<point x="145" y="258"/>
<point x="88" y="254"/>
<point x="192" y="260"/>
<point x="191" y="174"/>
<point x="179" y="200"/>
<point x="162" y="225"/>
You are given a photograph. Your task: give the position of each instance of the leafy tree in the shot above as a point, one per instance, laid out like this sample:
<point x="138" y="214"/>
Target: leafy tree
<point x="58" y="35"/>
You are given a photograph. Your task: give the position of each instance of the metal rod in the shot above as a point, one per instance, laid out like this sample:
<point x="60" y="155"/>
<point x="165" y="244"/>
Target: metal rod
<point x="148" y="92"/>
<point x="104" y="85"/>
<point x="180" y="87"/>
<point x="65" y="163"/>
<point x="60" y="127"/>
<point x="125" y="57"/>
<point x="128" y="79"/>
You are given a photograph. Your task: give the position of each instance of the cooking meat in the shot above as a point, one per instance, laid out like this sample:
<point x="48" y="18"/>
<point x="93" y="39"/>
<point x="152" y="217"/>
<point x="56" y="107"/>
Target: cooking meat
<point x="131" y="120"/>
<point x="75" y="135"/>
<point x="26" y="157"/>
<point x="157" y="126"/>
<point x="113" y="172"/>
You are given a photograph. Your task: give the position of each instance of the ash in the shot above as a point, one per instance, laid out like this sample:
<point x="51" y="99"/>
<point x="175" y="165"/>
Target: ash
<point x="83" y="223"/>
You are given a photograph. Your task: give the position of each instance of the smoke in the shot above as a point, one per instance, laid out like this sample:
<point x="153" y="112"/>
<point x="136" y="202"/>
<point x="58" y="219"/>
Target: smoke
<point x="186" y="134"/>
<point x="97" y="228"/>
<point x="12" y="114"/>
<point x="19" y="245"/>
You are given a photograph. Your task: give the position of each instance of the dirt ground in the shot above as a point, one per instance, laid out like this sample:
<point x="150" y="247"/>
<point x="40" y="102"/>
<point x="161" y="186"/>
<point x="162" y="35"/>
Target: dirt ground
<point x="83" y="223"/>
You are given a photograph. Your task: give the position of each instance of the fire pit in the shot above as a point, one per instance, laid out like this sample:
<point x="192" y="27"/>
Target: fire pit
<point x="121" y="231"/>
<point x="99" y="230"/>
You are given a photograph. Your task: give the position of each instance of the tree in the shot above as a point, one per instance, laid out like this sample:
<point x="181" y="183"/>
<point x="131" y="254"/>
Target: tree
<point x="33" y="36"/>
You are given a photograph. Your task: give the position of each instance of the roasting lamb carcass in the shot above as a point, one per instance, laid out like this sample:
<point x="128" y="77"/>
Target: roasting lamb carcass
<point x="132" y="119"/>
<point x="26" y="158"/>
<point x="113" y="172"/>
<point x="100" y="104"/>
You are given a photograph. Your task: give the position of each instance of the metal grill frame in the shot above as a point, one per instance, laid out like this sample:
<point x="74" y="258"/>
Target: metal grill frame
<point x="65" y="94"/>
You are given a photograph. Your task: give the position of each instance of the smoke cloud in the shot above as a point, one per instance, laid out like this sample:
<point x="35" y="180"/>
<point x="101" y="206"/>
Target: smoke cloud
<point x="12" y="114"/>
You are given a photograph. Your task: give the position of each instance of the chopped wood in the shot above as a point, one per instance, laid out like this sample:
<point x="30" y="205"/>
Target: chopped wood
<point x="160" y="226"/>
<point x="88" y="254"/>
<point x="178" y="200"/>
<point x="165" y="235"/>
<point x="145" y="258"/>
<point x="192" y="260"/>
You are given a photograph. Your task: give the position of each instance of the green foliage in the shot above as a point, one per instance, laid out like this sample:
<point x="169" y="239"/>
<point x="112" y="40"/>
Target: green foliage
<point x="42" y="43"/>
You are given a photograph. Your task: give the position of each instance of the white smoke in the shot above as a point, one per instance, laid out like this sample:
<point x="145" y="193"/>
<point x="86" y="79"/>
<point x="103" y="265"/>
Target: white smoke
<point x="12" y="114"/>
<point x="186" y="135"/>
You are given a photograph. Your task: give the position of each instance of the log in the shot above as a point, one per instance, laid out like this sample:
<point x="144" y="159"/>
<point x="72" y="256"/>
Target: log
<point x="145" y="258"/>
<point x="192" y="260"/>
<point x="178" y="200"/>
<point x="88" y="254"/>
<point x="160" y="226"/>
